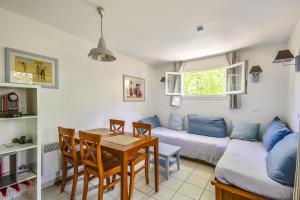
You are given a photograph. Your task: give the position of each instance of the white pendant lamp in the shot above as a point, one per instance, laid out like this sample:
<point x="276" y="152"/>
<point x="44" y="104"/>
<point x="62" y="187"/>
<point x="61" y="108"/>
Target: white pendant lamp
<point x="101" y="53"/>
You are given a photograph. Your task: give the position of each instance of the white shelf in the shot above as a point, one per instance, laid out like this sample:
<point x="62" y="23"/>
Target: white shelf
<point x="18" y="118"/>
<point x="4" y="149"/>
<point x="19" y="85"/>
<point x="17" y="155"/>
<point x="8" y="180"/>
<point x="24" y="176"/>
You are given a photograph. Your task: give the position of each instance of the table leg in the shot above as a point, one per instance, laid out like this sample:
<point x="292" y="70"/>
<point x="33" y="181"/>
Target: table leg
<point x="178" y="160"/>
<point x="156" y="166"/>
<point x="149" y="159"/>
<point x="124" y="187"/>
<point x="167" y="164"/>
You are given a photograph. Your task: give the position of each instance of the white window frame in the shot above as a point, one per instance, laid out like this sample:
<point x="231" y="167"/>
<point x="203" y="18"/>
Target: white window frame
<point x="217" y="96"/>
<point x="221" y="96"/>
<point x="243" y="78"/>
<point x="167" y="86"/>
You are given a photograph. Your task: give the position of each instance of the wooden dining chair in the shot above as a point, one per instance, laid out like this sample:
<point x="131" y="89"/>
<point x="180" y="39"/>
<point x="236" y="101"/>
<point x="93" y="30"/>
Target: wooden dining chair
<point x="116" y="125"/>
<point x="97" y="164"/>
<point x="139" y="129"/>
<point x="70" y="157"/>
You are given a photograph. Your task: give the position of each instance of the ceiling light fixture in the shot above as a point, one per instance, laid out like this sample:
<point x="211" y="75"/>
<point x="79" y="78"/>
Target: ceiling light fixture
<point x="200" y="28"/>
<point x="101" y="53"/>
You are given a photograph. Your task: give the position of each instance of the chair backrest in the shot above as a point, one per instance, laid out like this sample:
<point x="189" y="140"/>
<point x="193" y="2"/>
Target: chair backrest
<point x="67" y="142"/>
<point x="90" y="151"/>
<point x="140" y="128"/>
<point x="116" y="125"/>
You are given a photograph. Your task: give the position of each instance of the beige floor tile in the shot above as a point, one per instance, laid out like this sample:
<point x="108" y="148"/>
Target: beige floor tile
<point x="191" y="191"/>
<point x="200" y="181"/>
<point x="143" y="187"/>
<point x="173" y="183"/>
<point x="206" y="168"/>
<point x="114" y="193"/>
<point x="79" y="189"/>
<point x="53" y="193"/>
<point x="203" y="171"/>
<point x="210" y="187"/>
<point x="186" y="182"/>
<point x="189" y="163"/>
<point x="163" y="194"/>
<point x="142" y="173"/>
<point x="182" y="175"/>
<point x="179" y="196"/>
<point x="93" y="194"/>
<point x="148" y="198"/>
<point x="207" y="195"/>
<point x="137" y="195"/>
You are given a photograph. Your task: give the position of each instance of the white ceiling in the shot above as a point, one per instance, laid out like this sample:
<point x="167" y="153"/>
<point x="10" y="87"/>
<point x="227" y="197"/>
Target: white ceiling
<point x="159" y="31"/>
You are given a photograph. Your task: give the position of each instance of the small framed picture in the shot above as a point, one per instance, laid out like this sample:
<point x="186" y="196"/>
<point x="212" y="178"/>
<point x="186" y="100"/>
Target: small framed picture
<point x="133" y="88"/>
<point x="29" y="68"/>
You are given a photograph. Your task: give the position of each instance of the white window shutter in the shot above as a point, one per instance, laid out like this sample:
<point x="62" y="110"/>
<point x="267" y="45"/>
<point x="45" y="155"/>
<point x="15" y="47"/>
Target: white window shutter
<point x="174" y="83"/>
<point x="236" y="78"/>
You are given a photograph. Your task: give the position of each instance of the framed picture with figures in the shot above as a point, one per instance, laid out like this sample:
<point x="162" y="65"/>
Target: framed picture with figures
<point x="29" y="68"/>
<point x="133" y="88"/>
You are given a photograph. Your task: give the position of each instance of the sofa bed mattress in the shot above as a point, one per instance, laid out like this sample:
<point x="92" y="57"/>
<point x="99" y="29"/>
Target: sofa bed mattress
<point x="243" y="165"/>
<point x="209" y="149"/>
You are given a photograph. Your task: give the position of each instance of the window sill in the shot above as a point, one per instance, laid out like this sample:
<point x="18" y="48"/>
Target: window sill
<point x="207" y="97"/>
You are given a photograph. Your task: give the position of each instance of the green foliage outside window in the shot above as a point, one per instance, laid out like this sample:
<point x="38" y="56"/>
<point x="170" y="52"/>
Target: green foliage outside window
<point x="210" y="82"/>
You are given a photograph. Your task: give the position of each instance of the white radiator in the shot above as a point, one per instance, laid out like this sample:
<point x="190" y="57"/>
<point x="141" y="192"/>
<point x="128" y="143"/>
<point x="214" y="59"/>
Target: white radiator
<point x="51" y="162"/>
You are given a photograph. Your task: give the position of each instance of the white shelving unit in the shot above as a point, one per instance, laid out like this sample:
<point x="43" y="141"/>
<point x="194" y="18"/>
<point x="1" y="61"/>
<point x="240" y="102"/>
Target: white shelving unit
<point x="15" y="155"/>
<point x="18" y="118"/>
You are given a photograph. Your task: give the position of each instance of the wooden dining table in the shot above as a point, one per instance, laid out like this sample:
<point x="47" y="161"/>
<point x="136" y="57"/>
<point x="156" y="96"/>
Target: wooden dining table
<point x="123" y="152"/>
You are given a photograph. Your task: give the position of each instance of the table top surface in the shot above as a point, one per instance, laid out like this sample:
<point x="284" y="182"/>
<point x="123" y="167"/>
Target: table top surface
<point x="167" y="149"/>
<point x="118" y="147"/>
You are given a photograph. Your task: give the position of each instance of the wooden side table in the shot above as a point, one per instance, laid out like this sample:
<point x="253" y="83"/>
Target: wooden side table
<point x="168" y="155"/>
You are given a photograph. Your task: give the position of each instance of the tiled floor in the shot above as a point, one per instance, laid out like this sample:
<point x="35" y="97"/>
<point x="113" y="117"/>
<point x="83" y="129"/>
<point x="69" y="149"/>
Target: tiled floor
<point x="191" y="182"/>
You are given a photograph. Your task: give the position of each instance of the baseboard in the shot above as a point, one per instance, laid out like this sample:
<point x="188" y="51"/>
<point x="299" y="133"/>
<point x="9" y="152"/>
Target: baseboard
<point x="50" y="183"/>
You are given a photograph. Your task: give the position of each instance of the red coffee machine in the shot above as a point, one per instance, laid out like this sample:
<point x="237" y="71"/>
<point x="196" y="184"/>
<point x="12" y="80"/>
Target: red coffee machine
<point x="10" y="105"/>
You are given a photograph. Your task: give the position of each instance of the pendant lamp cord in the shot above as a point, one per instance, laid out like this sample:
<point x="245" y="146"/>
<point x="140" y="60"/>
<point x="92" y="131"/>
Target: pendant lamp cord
<point x="101" y="25"/>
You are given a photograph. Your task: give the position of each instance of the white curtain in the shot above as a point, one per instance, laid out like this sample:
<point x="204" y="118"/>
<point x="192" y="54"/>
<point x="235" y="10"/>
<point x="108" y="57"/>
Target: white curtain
<point x="235" y="101"/>
<point x="297" y="177"/>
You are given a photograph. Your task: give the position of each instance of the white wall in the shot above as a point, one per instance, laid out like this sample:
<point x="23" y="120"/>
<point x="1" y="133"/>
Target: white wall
<point x="293" y="111"/>
<point x="90" y="92"/>
<point x="264" y="100"/>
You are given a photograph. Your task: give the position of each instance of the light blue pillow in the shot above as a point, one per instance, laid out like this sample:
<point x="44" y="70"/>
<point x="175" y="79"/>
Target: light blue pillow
<point x="275" y="132"/>
<point x="154" y="121"/>
<point x="281" y="160"/>
<point x="213" y="127"/>
<point x="176" y="122"/>
<point x="245" y="131"/>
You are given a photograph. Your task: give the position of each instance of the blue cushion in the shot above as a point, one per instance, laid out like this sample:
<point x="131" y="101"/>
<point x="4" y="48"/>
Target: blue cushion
<point x="154" y="121"/>
<point x="176" y="122"/>
<point x="214" y="127"/>
<point x="245" y="131"/>
<point x="281" y="160"/>
<point x="275" y="132"/>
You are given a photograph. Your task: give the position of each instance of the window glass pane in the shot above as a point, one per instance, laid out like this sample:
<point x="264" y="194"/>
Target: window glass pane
<point x="174" y="83"/>
<point x="234" y="78"/>
<point x="210" y="82"/>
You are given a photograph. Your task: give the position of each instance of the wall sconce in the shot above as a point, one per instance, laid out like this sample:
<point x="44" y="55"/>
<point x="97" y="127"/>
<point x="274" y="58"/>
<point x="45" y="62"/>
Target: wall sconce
<point x="284" y="56"/>
<point x="255" y="70"/>
<point x="163" y="79"/>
